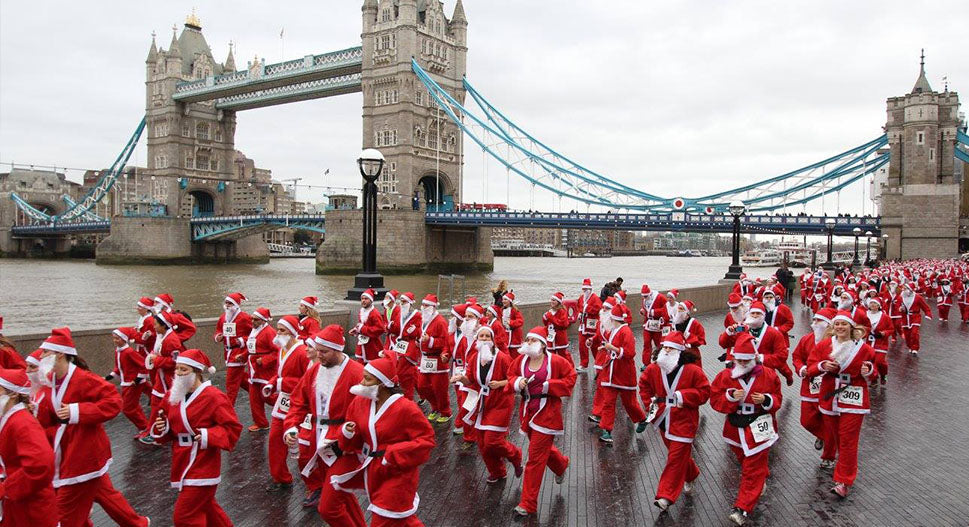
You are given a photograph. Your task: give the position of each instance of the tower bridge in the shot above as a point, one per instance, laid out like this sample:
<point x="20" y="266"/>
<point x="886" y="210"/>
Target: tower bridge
<point x="419" y="109"/>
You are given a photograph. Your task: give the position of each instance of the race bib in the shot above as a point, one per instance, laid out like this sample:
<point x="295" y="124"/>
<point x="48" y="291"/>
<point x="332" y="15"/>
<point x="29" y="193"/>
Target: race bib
<point x="459" y="370"/>
<point x="471" y="401"/>
<point x="851" y="395"/>
<point x="229" y="329"/>
<point x="818" y="296"/>
<point x="251" y="345"/>
<point x="651" y="415"/>
<point x="815" y="387"/>
<point x="551" y="333"/>
<point x="307" y="422"/>
<point x="362" y="339"/>
<point x="590" y="324"/>
<point x="400" y="346"/>
<point x="652" y="325"/>
<point x="428" y="365"/>
<point x="666" y="330"/>
<point x="762" y="428"/>
<point x="282" y="404"/>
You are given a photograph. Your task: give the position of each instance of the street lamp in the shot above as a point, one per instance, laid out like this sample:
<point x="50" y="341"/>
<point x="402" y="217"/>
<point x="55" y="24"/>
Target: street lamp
<point x="371" y="162"/>
<point x="868" y="248"/>
<point x="857" y="232"/>
<point x="829" y="226"/>
<point x="884" y="247"/>
<point x="737" y="209"/>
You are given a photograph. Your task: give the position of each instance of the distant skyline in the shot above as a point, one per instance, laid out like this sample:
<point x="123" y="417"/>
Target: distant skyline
<point x="675" y="99"/>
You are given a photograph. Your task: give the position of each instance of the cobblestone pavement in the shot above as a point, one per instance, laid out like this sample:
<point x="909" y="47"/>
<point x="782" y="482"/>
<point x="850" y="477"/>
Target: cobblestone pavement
<point x="914" y="462"/>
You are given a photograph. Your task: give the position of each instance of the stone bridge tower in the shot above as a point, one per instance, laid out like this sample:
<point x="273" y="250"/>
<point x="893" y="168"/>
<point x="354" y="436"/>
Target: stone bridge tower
<point x="921" y="200"/>
<point x="190" y="146"/>
<point x="422" y="147"/>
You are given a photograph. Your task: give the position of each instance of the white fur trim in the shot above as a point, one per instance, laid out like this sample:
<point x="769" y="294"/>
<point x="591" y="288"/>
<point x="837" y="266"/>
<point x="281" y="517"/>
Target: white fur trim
<point x="674" y="345"/>
<point x="75" y="414"/>
<point x="307" y="304"/>
<point x="67" y="350"/>
<point x="190" y="362"/>
<point x="329" y="344"/>
<point x="369" y="368"/>
<point x="22" y="390"/>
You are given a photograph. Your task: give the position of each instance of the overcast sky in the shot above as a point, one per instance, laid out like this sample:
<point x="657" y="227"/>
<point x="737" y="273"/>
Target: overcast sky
<point x="674" y="98"/>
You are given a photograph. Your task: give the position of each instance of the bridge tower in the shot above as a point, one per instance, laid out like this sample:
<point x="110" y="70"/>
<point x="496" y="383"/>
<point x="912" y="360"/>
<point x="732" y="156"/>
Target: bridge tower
<point x="921" y="200"/>
<point x="422" y="147"/>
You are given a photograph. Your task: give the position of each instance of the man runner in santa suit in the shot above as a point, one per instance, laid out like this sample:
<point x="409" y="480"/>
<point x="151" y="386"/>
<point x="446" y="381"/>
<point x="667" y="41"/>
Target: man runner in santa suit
<point x="145" y="326"/>
<point x="73" y="409"/>
<point x="673" y="388"/>
<point x="777" y="314"/>
<point x="27" y="460"/>
<point x="492" y="319"/>
<point x="129" y="366"/>
<point x="600" y="359"/>
<point x="433" y="369"/>
<point x="556" y="321"/>
<point x="811" y="418"/>
<point x="944" y="299"/>
<point x="619" y="375"/>
<point x="890" y="294"/>
<point x="881" y="331"/>
<point x="749" y="394"/>
<point x="391" y="440"/>
<point x="407" y="348"/>
<point x="232" y="330"/>
<point x="262" y="350"/>
<point x="768" y="341"/>
<point x="290" y="363"/>
<point x="654" y="317"/>
<point x="391" y="317"/>
<point x="911" y="305"/>
<point x="513" y="321"/>
<point x="199" y="421"/>
<point x="463" y="348"/>
<point x="370" y="327"/>
<point x="323" y="395"/>
<point x="588" y="305"/>
<point x="692" y="330"/>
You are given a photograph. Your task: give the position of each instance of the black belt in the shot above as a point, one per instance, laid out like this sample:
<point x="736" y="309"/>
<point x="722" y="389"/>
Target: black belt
<point x="539" y="396"/>
<point x="322" y="421"/>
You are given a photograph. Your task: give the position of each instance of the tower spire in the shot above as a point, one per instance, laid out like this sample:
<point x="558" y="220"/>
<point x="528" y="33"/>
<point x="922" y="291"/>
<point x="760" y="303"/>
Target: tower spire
<point x="153" y="51"/>
<point x="922" y="84"/>
<point x="173" y="47"/>
<point x="230" y="61"/>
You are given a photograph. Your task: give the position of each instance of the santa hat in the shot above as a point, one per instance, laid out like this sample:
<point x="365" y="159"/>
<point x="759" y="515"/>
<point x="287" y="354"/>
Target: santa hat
<point x="587" y="284"/>
<point x="164" y="299"/>
<point x="392" y="294"/>
<point x="734" y="300"/>
<point x="471" y="300"/>
<point x="145" y="303"/>
<point x="430" y="300"/>
<point x="910" y="286"/>
<point x="644" y="290"/>
<point x="621" y="296"/>
<point x="850" y="294"/>
<point x="758" y="307"/>
<point x="743" y="276"/>
<point x="558" y="297"/>
<point x="407" y="297"/>
<point x="60" y="341"/>
<point x="167" y="319"/>
<point x="126" y="333"/>
<point x="689" y="305"/>
<point x="291" y="323"/>
<point x="34" y="357"/>
<point x="674" y="340"/>
<point x="384" y="369"/>
<point x="873" y="300"/>
<point x="458" y="310"/>
<point x="473" y="309"/>
<point x="747" y="298"/>
<point x="608" y="304"/>
<point x="826" y="314"/>
<point x="509" y="296"/>
<point x="309" y="301"/>
<point x="485" y="328"/>
<point x="844" y="315"/>
<point x="493" y="310"/>
<point x="331" y="336"/>
<point x="369" y="294"/>
<point x="263" y="313"/>
<point x="618" y="313"/>
<point x="196" y="359"/>
<point x="673" y="293"/>
<point x="743" y="348"/>
<point x="235" y="299"/>
<point x="539" y="333"/>
<point x="15" y="380"/>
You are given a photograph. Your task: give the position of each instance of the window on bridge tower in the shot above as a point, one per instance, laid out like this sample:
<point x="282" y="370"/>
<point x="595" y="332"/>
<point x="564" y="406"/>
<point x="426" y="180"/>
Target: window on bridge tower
<point x="920" y="138"/>
<point x="186" y="130"/>
<point x="202" y="161"/>
<point x="202" y="131"/>
<point x="218" y="134"/>
<point x="385" y="16"/>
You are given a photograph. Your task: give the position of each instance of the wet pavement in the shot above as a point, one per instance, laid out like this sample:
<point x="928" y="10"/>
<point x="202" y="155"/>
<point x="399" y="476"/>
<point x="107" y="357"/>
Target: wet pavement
<point x="914" y="462"/>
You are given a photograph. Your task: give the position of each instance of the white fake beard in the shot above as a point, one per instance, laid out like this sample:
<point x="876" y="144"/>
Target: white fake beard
<point x="427" y="313"/>
<point x="281" y="341"/>
<point x="608" y="324"/>
<point x="230" y="312"/>
<point x="532" y="349"/>
<point x="819" y="328"/>
<point x="738" y="314"/>
<point x="486" y="351"/>
<point x="680" y="317"/>
<point x="770" y="305"/>
<point x="387" y="303"/>
<point x="4" y="399"/>
<point x="369" y="392"/>
<point x="45" y="369"/>
<point x="946" y="289"/>
<point x="739" y="371"/>
<point x="755" y="323"/>
<point x="452" y="326"/>
<point x="404" y="311"/>
<point x="844" y="304"/>
<point x="36" y="382"/>
<point x="840" y="350"/>
<point x="468" y="327"/>
<point x="180" y="388"/>
<point x="668" y="361"/>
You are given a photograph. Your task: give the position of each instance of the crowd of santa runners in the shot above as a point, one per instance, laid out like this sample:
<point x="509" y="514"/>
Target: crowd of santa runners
<point x="364" y="417"/>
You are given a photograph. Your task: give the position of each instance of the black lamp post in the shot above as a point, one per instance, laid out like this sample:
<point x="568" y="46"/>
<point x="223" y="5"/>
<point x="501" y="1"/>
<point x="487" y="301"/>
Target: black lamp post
<point x="884" y="247"/>
<point x="737" y="209"/>
<point x="868" y="248"/>
<point x="854" y="261"/>
<point x="371" y="163"/>
<point x="829" y="226"/>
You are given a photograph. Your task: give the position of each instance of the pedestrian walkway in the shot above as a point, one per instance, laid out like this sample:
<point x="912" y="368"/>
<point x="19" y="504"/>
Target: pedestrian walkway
<point x="914" y="465"/>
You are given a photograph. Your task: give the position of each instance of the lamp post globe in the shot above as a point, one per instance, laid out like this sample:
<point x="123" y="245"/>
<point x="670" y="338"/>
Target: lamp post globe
<point x="868" y="235"/>
<point x="829" y="227"/>
<point x="737" y="209"/>
<point x="370" y="163"/>
<point x="857" y="232"/>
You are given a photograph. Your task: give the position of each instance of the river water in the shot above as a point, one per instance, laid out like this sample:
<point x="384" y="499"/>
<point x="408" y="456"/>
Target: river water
<point x="36" y="295"/>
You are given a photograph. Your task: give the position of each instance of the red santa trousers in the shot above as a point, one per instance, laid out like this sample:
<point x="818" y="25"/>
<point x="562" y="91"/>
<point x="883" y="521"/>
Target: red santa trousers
<point x="196" y="507"/>
<point x="257" y="405"/>
<point x="541" y="453"/>
<point x="679" y="469"/>
<point x="841" y="439"/>
<point x="339" y="507"/>
<point x="74" y="504"/>
<point x="38" y="510"/>
<point x="469" y="432"/>
<point x="131" y="404"/>
<point x="407" y="376"/>
<point x="943" y="312"/>
<point x="964" y="310"/>
<point x="912" y="337"/>
<point x="277" y="452"/>
<point x="315" y="479"/>
<point x="811" y="419"/>
<point x="597" y="398"/>
<point x="881" y="363"/>
<point x="651" y="341"/>
<point x="377" y="520"/>
<point x="495" y="449"/>
<point x="630" y="401"/>
<point x="753" y="474"/>
<point x="433" y="387"/>
<point x="584" y="342"/>
<point x="897" y="326"/>
<point x="235" y="378"/>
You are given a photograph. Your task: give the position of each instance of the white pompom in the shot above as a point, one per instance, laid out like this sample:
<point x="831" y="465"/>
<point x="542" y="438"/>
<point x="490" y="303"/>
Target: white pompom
<point x="211" y="370"/>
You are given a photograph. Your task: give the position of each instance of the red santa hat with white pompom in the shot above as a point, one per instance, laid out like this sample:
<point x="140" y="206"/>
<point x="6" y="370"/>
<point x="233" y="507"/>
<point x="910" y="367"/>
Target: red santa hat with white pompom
<point x="197" y="359"/>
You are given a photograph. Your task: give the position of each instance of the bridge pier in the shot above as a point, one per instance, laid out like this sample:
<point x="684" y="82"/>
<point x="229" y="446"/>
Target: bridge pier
<point x="405" y="244"/>
<point x="34" y="247"/>
<point x="153" y="241"/>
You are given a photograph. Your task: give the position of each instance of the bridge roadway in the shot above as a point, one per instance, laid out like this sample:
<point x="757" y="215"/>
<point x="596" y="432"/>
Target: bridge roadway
<point x="914" y="468"/>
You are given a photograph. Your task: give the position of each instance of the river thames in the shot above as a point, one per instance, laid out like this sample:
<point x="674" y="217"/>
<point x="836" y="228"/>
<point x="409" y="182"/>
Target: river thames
<point x="36" y="295"/>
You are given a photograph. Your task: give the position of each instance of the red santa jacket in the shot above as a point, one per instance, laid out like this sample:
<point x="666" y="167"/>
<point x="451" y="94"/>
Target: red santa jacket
<point x="184" y="328"/>
<point x="771" y="344"/>
<point x="810" y="387"/>
<point x="845" y="390"/>
<point x="392" y="322"/>
<point x="881" y="330"/>
<point x="208" y="414"/>
<point x="547" y="419"/>
<point x="129" y="365"/>
<point x="760" y="380"/>
<point x="781" y="318"/>
<point x="912" y="311"/>
<point x="80" y="442"/>
<point x="588" y="313"/>
<point x="435" y="346"/>
<point x="557" y="323"/>
<point x="391" y="443"/>
<point x="677" y="401"/>
<point x="493" y="408"/>
<point x="308" y="326"/>
<point x="654" y="309"/>
<point x="291" y="364"/>
<point x="235" y="346"/>
<point x="407" y="344"/>
<point x="146" y="334"/>
<point x="161" y="361"/>
<point x="370" y="328"/>
<point x="890" y="301"/>
<point x="694" y="334"/>
<point x="744" y="289"/>
<point x="262" y="354"/>
<point x="501" y="335"/>
<point x="944" y="298"/>
<point x="513" y="321"/>
<point x="27" y="467"/>
<point x="620" y="370"/>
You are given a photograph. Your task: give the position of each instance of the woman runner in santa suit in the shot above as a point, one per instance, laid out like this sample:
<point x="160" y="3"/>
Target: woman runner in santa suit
<point x="75" y="405"/>
<point x="489" y="406"/>
<point x="199" y="421"/>
<point x="881" y="330"/>
<point x="26" y="458"/>
<point x="406" y="347"/>
<point x="160" y="364"/>
<point x="309" y="317"/>
<point x="845" y="362"/>
<point x="811" y="418"/>
<point x="619" y="374"/>
<point x="391" y="440"/>
<point x="129" y="366"/>
<point x="541" y="378"/>
<point x="673" y="388"/>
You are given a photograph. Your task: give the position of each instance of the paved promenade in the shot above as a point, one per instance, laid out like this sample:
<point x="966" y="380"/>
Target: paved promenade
<point x="914" y="463"/>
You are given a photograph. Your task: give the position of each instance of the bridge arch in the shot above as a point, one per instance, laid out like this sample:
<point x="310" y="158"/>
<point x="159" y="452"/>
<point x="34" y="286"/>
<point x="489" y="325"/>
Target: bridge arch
<point x="435" y="189"/>
<point x="203" y="203"/>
